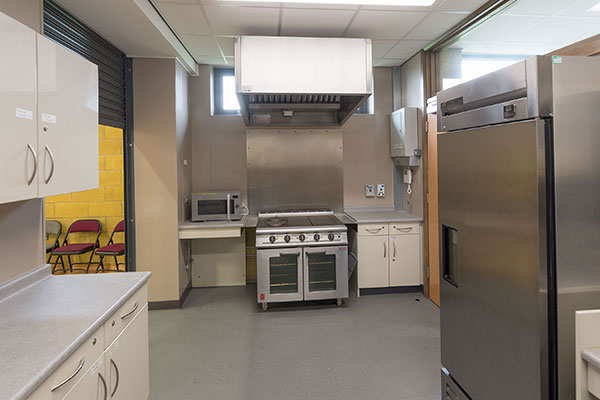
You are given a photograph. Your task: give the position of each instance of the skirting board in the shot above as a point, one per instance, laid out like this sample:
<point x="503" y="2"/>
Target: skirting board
<point x="171" y="304"/>
<point x="395" y="289"/>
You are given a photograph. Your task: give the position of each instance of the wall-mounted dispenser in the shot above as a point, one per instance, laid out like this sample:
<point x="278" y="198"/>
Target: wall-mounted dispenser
<point x="404" y="137"/>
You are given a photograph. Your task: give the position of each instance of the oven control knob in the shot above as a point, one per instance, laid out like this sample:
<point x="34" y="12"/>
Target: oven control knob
<point x="302" y="238"/>
<point x="287" y="238"/>
<point x="331" y="236"/>
<point x="317" y="237"/>
<point x="272" y="239"/>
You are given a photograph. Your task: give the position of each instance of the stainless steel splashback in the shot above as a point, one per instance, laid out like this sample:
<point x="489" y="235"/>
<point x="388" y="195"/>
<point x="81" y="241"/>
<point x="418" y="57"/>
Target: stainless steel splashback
<point x="295" y="169"/>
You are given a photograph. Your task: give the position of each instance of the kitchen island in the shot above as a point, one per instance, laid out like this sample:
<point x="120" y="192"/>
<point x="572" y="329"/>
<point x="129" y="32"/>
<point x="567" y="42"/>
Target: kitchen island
<point x="49" y="322"/>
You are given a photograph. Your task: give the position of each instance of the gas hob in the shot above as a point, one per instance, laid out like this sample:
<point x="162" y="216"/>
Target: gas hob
<point x="300" y="228"/>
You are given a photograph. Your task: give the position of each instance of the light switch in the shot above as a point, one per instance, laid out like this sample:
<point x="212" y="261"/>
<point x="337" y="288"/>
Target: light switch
<point x="381" y="190"/>
<point x="369" y="190"/>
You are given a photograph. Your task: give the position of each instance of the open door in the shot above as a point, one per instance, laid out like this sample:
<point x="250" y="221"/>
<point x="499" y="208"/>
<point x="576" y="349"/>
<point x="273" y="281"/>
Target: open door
<point x="432" y="210"/>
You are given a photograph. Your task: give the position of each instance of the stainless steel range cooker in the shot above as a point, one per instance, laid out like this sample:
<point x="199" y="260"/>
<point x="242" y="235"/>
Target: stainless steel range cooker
<point x="301" y="255"/>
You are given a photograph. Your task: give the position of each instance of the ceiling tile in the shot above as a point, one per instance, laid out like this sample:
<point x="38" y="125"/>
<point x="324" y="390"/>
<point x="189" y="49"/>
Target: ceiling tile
<point x="558" y="31"/>
<point x="435" y="25"/>
<point x="227" y="20"/>
<point x="389" y="62"/>
<point x="406" y="48"/>
<point x="461" y="5"/>
<point x="184" y="18"/>
<point x="520" y="48"/>
<point x="227" y="3"/>
<point x="582" y="9"/>
<point x="301" y="22"/>
<point x="472" y="47"/>
<point x="502" y="26"/>
<point x="380" y="47"/>
<point x="201" y="45"/>
<point x="321" y="6"/>
<point x="384" y="24"/>
<point x="539" y="7"/>
<point x="226" y="43"/>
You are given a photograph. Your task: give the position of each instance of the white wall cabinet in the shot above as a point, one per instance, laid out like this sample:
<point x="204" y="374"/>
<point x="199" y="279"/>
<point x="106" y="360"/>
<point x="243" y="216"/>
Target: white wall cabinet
<point x="49" y="114"/>
<point x="18" y="152"/>
<point x="112" y="364"/>
<point x="389" y="255"/>
<point x="67" y="120"/>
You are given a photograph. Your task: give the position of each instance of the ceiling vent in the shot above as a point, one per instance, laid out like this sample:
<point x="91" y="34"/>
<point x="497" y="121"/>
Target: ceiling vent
<point x="282" y="81"/>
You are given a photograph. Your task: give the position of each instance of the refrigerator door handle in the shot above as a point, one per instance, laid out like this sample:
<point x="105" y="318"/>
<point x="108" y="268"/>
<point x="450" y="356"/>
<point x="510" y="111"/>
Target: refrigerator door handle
<point x="450" y="254"/>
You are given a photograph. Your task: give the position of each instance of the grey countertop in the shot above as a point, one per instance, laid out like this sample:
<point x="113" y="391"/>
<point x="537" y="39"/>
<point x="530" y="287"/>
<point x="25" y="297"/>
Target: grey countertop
<point x="45" y="318"/>
<point x="592" y="356"/>
<point x="247" y="221"/>
<point x="377" y="215"/>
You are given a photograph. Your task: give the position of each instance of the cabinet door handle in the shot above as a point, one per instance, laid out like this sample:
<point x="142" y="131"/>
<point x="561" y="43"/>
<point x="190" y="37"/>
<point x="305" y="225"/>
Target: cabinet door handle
<point x="404" y="229"/>
<point x="70" y="377"/>
<point x="52" y="167"/>
<point x="384" y="250"/>
<point x="30" y="180"/>
<point x="103" y="385"/>
<point x="394" y="243"/>
<point x="116" y="384"/>
<point x="374" y="230"/>
<point x="135" y="306"/>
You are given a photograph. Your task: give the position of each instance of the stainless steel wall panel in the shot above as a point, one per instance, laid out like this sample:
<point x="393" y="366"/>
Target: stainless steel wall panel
<point x="577" y="174"/>
<point x="295" y="169"/>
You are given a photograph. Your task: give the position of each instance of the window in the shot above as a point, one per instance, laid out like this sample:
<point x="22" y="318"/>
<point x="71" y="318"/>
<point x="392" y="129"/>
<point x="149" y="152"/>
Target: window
<point x="513" y="32"/>
<point x="225" y="99"/>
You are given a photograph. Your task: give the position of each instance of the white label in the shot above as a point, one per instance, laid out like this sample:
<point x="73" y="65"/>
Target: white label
<point x="23" y="113"/>
<point x="114" y="347"/>
<point x="49" y="118"/>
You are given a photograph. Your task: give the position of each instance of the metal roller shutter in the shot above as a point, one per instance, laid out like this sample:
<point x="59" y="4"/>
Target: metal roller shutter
<point x="65" y="29"/>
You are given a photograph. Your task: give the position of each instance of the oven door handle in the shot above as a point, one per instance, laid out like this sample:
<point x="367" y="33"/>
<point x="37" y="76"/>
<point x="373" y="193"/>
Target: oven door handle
<point x="289" y="253"/>
<point x="316" y="252"/>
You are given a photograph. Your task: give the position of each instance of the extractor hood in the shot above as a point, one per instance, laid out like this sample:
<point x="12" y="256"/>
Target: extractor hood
<point x="301" y="81"/>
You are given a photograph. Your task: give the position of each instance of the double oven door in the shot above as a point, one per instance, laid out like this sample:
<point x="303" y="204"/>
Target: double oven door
<point x="302" y="273"/>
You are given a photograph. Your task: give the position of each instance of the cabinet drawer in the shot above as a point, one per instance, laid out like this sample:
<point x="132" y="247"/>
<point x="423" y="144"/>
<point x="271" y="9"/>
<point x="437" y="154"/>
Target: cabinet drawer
<point x="373" y="229"/>
<point x="404" y="229"/>
<point x="119" y="320"/>
<point x="72" y="370"/>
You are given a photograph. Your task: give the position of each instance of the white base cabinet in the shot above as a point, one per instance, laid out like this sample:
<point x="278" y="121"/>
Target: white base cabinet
<point x="389" y="255"/>
<point x="112" y="364"/>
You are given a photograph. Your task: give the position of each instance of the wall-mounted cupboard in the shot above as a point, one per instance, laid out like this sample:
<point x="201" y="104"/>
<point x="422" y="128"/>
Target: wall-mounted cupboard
<point x="389" y="255"/>
<point x="49" y="115"/>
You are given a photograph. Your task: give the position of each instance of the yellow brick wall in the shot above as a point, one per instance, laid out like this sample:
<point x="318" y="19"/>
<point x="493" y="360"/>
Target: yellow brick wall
<point x="105" y="203"/>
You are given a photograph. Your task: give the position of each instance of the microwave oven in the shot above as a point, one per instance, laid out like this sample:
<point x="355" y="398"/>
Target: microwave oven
<point x="217" y="206"/>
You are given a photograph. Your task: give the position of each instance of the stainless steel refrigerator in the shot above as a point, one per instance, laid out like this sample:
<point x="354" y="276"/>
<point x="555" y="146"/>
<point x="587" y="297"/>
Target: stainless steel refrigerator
<point x="519" y="204"/>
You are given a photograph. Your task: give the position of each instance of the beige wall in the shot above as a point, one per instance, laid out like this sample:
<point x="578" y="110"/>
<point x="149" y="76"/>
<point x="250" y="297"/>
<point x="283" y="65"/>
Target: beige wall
<point x="184" y="156"/>
<point x="28" y="12"/>
<point x="156" y="175"/>
<point x="21" y="223"/>
<point x="413" y="95"/>
<point x="219" y="144"/>
<point x="21" y="238"/>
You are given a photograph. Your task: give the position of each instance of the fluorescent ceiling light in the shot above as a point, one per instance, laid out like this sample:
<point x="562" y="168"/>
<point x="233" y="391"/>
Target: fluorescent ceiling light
<point x="596" y="8"/>
<point x="402" y="3"/>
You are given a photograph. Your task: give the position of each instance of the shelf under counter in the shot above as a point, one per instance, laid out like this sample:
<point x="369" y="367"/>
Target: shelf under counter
<point x="216" y="229"/>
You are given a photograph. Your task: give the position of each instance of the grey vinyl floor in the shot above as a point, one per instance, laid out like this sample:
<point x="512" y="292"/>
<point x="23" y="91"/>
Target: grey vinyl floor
<point x="222" y="346"/>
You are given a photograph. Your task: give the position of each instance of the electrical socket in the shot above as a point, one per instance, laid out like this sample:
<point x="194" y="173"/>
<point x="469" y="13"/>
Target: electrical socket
<point x="381" y="190"/>
<point x="369" y="190"/>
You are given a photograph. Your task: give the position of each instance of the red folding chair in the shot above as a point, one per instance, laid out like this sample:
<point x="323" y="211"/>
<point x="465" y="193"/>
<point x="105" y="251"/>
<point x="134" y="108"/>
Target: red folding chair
<point x="71" y="249"/>
<point x="112" y="249"/>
